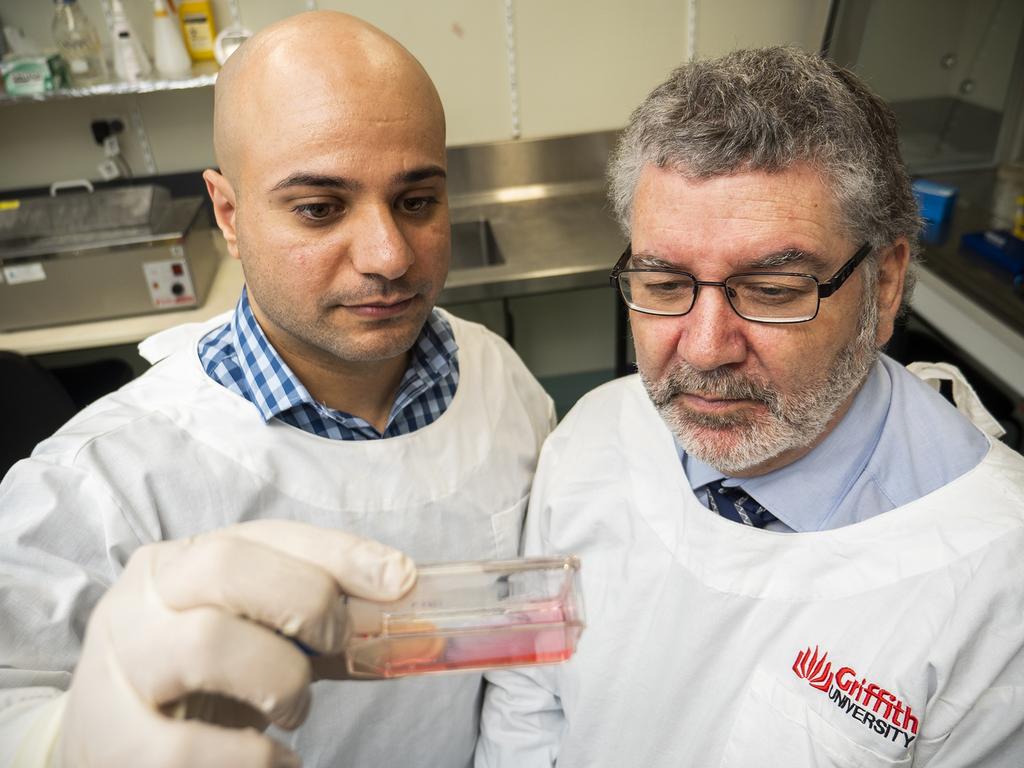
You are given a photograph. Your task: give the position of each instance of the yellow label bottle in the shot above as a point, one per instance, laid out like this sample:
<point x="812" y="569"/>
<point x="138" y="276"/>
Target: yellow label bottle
<point x="197" y="28"/>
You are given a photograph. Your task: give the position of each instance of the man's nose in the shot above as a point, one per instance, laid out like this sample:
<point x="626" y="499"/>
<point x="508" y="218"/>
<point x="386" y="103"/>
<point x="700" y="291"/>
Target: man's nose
<point x="379" y="246"/>
<point x="712" y="334"/>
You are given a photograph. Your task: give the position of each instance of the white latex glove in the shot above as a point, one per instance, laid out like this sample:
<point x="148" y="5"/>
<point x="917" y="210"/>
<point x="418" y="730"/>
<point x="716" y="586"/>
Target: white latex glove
<point x="200" y="615"/>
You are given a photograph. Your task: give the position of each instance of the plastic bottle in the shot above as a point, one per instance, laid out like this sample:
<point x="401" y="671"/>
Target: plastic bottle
<point x="1006" y="198"/>
<point x="78" y="43"/>
<point x="169" y="54"/>
<point x="130" y="59"/>
<point x="3" y="40"/>
<point x="197" y="28"/>
<point x="1018" y="221"/>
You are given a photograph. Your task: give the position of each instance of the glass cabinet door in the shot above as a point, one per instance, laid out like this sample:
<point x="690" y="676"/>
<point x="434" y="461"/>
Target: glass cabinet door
<point x="950" y="69"/>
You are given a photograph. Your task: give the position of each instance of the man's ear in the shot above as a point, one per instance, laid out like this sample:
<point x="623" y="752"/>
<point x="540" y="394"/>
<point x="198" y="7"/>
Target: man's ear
<point x="223" y="196"/>
<point x="892" y="272"/>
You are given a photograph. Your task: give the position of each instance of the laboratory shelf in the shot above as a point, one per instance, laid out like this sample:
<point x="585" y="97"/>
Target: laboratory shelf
<point x="203" y="75"/>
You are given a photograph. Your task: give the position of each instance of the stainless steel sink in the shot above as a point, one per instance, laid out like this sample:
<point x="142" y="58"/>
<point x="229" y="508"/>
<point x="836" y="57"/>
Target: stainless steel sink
<point x="473" y="245"/>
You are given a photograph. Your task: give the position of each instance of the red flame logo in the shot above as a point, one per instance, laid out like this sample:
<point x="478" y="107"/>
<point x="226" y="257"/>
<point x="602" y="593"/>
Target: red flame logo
<point x="814" y="669"/>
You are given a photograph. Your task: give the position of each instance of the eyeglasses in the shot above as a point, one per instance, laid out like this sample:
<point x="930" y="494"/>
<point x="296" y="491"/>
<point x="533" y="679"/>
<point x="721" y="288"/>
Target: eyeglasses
<point x="761" y="297"/>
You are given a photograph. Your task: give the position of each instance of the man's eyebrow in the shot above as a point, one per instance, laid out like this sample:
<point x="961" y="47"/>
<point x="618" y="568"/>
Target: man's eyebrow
<point x="315" y="180"/>
<point x="419" y="174"/>
<point x="784" y="258"/>
<point x="303" y="179"/>
<point x="646" y="261"/>
<point x="789" y="257"/>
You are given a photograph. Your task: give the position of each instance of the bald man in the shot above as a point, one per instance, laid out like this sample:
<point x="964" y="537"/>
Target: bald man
<point x="158" y="553"/>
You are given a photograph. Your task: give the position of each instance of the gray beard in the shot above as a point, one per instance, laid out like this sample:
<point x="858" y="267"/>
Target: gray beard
<point x="793" y="420"/>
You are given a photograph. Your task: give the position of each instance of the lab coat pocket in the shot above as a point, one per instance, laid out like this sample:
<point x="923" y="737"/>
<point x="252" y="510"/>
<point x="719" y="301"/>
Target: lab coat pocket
<point x="507" y="527"/>
<point x="774" y="727"/>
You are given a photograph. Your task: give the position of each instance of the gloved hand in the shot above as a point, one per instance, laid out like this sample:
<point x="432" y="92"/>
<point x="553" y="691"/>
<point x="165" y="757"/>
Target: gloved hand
<point x="200" y="615"/>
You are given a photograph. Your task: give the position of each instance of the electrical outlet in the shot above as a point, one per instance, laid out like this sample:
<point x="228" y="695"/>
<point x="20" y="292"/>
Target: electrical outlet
<point x="109" y="170"/>
<point x="111" y="146"/>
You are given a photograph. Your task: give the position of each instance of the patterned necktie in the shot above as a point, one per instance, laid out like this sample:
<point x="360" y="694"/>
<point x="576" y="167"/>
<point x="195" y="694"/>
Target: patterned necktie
<point x="736" y="505"/>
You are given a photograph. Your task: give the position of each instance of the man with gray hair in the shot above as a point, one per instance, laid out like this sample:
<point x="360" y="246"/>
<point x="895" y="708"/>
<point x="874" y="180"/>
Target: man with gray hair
<point x="795" y="551"/>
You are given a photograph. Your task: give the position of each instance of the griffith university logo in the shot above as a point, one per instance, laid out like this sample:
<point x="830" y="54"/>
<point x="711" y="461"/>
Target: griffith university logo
<point x="881" y="711"/>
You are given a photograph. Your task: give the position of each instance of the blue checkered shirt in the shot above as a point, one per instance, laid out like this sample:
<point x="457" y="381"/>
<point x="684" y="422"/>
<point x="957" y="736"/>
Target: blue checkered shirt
<point x="239" y="356"/>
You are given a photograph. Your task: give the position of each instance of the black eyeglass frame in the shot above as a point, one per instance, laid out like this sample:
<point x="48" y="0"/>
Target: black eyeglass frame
<point x="825" y="289"/>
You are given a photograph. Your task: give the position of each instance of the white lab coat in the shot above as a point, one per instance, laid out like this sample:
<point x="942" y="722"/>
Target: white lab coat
<point x="706" y="640"/>
<point x="174" y="454"/>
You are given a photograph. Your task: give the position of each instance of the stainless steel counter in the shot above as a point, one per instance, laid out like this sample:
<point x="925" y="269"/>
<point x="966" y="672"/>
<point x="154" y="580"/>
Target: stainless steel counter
<point x="561" y="239"/>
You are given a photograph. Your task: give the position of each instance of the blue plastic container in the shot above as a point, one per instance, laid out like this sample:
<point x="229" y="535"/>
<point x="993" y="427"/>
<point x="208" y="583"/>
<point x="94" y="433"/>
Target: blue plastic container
<point x="1001" y="248"/>
<point x="935" y="202"/>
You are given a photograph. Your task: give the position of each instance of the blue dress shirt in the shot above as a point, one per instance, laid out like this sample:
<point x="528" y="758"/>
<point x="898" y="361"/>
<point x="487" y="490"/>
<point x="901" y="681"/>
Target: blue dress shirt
<point x="239" y="356"/>
<point x="899" y="440"/>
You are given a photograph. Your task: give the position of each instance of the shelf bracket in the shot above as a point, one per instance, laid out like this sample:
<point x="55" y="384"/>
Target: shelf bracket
<point x="142" y="138"/>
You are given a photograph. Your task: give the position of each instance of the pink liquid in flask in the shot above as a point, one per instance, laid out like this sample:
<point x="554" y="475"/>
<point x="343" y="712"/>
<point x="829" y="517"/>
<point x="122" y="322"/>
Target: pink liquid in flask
<point x="538" y="636"/>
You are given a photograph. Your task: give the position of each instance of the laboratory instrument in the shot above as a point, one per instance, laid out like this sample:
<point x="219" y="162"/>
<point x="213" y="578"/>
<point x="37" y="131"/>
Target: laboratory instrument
<point x="84" y="256"/>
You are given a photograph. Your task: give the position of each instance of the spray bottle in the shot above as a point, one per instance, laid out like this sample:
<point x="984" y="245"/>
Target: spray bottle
<point x="169" y="54"/>
<point x="130" y="60"/>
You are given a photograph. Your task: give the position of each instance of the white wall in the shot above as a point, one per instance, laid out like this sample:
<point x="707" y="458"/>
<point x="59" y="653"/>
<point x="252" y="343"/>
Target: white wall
<point x="583" y="66"/>
<point x="724" y="25"/>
